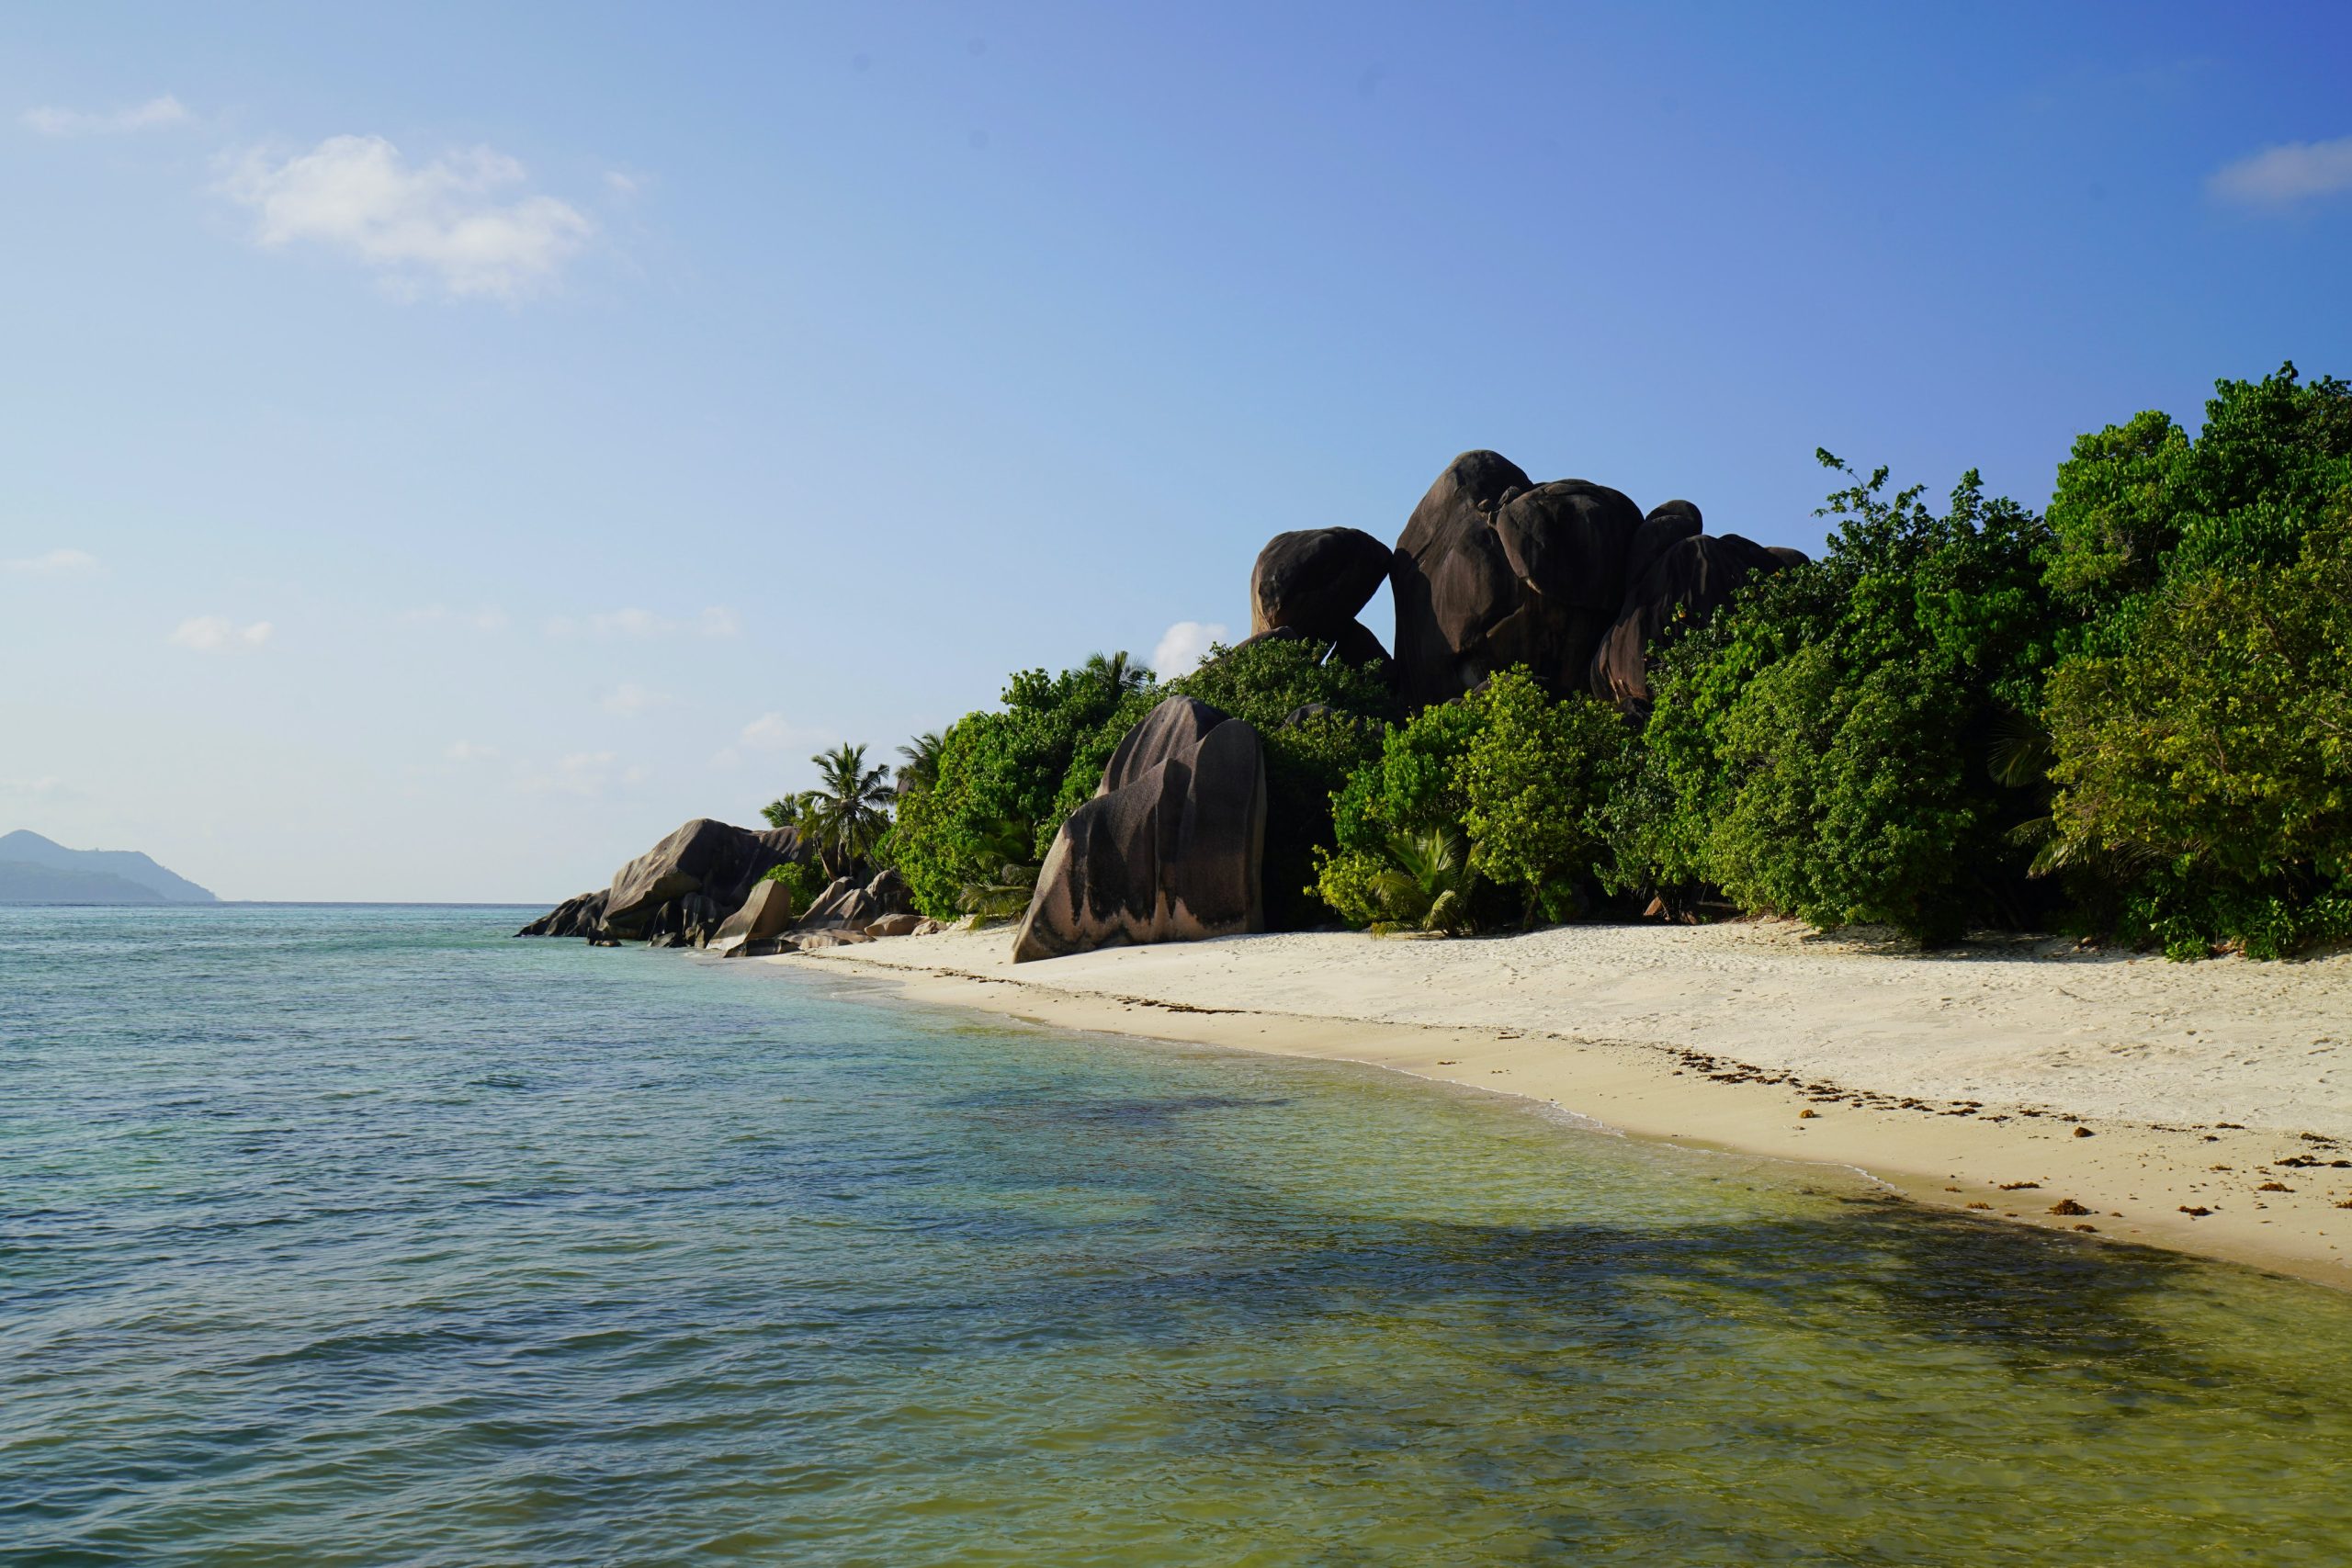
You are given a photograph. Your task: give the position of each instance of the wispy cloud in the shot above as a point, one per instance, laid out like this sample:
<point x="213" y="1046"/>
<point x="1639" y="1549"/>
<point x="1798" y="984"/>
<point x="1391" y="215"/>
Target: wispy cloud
<point x="219" y="634"/>
<point x="587" y="774"/>
<point x="769" y="733"/>
<point x="153" y="115"/>
<point x="467" y="751"/>
<point x="2278" y="177"/>
<point x="646" y="624"/>
<point x="48" y="787"/>
<point x="52" y="563"/>
<point x="1183" y="646"/>
<point x="630" y="699"/>
<point x="462" y="221"/>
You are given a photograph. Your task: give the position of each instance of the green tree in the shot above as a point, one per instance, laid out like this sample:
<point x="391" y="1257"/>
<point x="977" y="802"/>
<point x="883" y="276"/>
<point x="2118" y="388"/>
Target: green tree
<point x="1006" y="777"/>
<point x="1534" y="781"/>
<point x="845" y="816"/>
<point x="1821" y="749"/>
<point x="920" y="769"/>
<point x="2211" y="755"/>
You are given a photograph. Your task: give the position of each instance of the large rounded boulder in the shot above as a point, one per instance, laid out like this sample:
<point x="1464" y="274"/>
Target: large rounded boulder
<point x="1681" y="588"/>
<point x="1171" y="847"/>
<point x="708" y="863"/>
<point x="1315" y="580"/>
<point x="1494" y="571"/>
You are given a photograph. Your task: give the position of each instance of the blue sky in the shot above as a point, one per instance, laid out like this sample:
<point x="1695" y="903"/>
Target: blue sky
<point x="443" y="447"/>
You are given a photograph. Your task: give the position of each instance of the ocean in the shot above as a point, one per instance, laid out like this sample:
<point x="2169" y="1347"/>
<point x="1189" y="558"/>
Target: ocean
<point x="370" y="1235"/>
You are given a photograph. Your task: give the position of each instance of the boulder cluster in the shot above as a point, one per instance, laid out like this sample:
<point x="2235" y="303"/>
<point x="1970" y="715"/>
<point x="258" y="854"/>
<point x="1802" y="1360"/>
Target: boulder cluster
<point x="1568" y="578"/>
<point x="706" y="886"/>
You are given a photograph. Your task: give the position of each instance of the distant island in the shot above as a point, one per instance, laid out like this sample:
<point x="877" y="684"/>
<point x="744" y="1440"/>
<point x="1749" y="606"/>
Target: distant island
<point x="34" y="870"/>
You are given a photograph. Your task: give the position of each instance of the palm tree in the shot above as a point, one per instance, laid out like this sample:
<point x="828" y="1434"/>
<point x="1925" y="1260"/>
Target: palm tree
<point x="922" y="768"/>
<point x="845" y="814"/>
<point x="1427" y="885"/>
<point x="1116" y="676"/>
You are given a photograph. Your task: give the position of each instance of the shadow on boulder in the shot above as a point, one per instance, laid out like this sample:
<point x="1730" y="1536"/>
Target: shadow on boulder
<point x="1171" y="849"/>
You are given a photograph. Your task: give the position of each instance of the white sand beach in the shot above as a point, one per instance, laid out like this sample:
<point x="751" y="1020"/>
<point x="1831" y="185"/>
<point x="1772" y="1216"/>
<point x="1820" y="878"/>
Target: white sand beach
<point x="1958" y="1078"/>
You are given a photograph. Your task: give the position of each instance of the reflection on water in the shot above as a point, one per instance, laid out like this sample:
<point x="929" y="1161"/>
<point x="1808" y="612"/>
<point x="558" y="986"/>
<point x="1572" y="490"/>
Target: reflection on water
<point x="368" y="1237"/>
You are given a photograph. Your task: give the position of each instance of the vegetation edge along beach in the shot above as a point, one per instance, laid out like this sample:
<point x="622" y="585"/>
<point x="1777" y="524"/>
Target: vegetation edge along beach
<point x="2079" y="775"/>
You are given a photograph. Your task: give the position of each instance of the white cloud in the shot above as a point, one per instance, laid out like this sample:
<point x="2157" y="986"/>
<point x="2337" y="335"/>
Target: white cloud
<point x="450" y="220"/>
<point x="467" y="752"/>
<point x="644" y="625"/>
<point x="2281" y="176"/>
<point x="149" y="116"/>
<point x="622" y="184"/>
<point x="219" y="634"/>
<point x="52" y="563"/>
<point x="628" y="699"/>
<point x="1184" y="645"/>
<point x="588" y="774"/>
<point x="489" y="618"/>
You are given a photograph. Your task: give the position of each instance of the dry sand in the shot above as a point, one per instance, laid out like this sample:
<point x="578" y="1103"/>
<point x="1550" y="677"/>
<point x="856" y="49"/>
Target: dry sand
<point x="1958" y="1079"/>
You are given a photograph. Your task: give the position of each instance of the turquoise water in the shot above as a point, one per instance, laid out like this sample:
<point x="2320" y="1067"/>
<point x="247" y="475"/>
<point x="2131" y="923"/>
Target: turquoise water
<point x="368" y="1236"/>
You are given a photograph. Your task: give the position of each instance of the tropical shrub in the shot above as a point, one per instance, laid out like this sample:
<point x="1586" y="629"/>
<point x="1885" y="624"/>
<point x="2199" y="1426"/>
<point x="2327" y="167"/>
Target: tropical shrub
<point x="2211" y="755"/>
<point x="1822" y="749"/>
<point x="1534" y="782"/>
<point x="2196" y="758"/>
<point x="1519" y="778"/>
<point x="1005" y="777"/>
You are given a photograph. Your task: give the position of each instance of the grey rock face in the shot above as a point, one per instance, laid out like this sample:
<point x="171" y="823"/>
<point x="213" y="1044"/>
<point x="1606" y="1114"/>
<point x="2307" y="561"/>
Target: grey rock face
<point x="1315" y="580"/>
<point x="710" y="858"/>
<point x="684" y="886"/>
<point x="1665" y="527"/>
<point x="581" y="916"/>
<point x="1494" y="571"/>
<point x="1688" y="581"/>
<point x="846" y="905"/>
<point x="764" y="915"/>
<point x="1171" y="847"/>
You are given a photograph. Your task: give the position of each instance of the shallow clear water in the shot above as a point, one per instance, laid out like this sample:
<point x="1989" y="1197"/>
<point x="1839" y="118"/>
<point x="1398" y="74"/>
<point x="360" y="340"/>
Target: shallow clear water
<point x="371" y="1236"/>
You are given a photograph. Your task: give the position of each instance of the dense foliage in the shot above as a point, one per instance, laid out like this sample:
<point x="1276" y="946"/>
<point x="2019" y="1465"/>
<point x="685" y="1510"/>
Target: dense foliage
<point x="2126" y="717"/>
<point x="2197" y="740"/>
<point x="1823" y="749"/>
<point x="1519" y="780"/>
<point x="1004" y="778"/>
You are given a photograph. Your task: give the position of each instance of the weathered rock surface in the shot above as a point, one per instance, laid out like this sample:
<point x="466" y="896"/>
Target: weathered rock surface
<point x="705" y="857"/>
<point x="816" y="941"/>
<point x="1688" y="581"/>
<point x="1171" y="849"/>
<point x="766" y="915"/>
<point x="1666" y="526"/>
<point x="846" y="905"/>
<point x="581" y="916"/>
<point x="1315" y="580"/>
<point x="1494" y="571"/>
<point x="895" y="925"/>
<point x="684" y="886"/>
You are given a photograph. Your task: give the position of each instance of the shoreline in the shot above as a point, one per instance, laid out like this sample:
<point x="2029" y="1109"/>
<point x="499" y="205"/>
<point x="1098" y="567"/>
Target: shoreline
<point x="2005" y="1083"/>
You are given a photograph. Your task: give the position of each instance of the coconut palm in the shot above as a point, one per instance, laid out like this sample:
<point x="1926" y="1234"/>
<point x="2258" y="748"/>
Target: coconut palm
<point x="920" y="770"/>
<point x="846" y="813"/>
<point x="1428" y="884"/>
<point x="1117" y="676"/>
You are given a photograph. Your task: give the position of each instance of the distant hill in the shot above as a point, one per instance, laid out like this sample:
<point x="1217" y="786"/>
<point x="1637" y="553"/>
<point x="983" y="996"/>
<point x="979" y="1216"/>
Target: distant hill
<point x="34" y="870"/>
